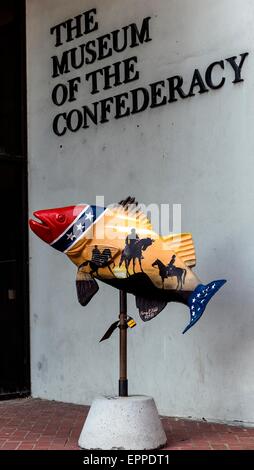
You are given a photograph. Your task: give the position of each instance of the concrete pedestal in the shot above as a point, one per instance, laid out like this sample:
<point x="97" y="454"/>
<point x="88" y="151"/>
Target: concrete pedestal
<point x="130" y="423"/>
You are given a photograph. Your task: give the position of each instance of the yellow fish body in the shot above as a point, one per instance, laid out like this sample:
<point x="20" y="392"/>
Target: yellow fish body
<point x="118" y="246"/>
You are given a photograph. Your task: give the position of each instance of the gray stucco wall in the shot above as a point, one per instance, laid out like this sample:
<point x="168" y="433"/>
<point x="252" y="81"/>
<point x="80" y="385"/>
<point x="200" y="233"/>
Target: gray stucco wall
<point x="196" y="152"/>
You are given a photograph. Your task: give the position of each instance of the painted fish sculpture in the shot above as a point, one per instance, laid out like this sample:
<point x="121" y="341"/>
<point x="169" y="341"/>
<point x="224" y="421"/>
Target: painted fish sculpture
<point x="118" y="246"/>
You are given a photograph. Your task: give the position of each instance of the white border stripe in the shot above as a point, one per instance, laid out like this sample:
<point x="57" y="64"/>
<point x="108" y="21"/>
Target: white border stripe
<point x="82" y="234"/>
<point x="78" y="216"/>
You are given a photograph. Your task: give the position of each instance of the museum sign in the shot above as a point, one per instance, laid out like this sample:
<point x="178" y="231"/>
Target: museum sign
<point x="88" y="59"/>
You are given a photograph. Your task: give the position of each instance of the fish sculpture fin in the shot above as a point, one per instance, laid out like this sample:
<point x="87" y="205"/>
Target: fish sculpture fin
<point x="128" y="201"/>
<point x="130" y="209"/>
<point x="199" y="299"/>
<point x="130" y="323"/>
<point x="86" y="287"/>
<point x="183" y="246"/>
<point x="110" y="330"/>
<point x="149" y="308"/>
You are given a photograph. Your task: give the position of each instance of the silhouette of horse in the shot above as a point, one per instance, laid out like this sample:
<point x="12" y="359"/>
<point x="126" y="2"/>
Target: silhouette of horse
<point x="103" y="262"/>
<point x="171" y="271"/>
<point x="134" y="252"/>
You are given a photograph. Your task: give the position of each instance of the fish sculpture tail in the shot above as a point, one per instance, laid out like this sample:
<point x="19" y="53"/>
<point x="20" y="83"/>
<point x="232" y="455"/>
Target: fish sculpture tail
<point x="199" y="299"/>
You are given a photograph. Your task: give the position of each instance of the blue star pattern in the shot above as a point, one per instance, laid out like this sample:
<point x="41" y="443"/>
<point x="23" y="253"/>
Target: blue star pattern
<point x="199" y="299"/>
<point x="78" y="228"/>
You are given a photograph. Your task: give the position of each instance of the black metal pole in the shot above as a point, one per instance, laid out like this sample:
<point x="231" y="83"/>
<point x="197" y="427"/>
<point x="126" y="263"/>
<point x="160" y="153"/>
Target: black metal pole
<point x="123" y="381"/>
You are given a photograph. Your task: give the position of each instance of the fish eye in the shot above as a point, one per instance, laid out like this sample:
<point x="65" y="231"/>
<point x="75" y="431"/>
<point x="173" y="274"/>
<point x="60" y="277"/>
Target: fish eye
<point x="60" y="218"/>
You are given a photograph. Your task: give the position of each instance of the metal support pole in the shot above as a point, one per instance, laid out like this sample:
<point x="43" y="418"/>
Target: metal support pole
<point x="123" y="381"/>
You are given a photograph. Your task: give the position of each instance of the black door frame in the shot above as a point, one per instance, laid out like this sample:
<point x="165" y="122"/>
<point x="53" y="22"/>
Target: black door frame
<point x="20" y="161"/>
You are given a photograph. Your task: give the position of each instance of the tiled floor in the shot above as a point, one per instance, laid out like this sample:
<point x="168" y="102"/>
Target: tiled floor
<point x="40" y="424"/>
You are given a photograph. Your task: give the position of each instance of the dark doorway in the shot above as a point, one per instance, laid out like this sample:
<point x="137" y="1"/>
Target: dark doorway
<point x="14" y="315"/>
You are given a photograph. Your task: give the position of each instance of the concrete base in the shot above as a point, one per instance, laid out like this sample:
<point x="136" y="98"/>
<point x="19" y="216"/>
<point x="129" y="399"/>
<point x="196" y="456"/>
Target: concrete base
<point x="130" y="423"/>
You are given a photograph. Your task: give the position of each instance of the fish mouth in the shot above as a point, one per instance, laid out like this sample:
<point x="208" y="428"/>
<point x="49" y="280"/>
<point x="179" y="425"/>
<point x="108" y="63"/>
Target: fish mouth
<point x="41" y="227"/>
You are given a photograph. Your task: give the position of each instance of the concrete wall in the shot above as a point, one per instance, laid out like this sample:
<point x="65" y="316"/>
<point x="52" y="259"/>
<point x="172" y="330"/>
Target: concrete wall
<point x="196" y="152"/>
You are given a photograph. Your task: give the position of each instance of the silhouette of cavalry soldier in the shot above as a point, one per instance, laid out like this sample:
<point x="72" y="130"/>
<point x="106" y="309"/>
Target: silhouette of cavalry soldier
<point x="170" y="265"/>
<point x="130" y="241"/>
<point x="96" y="255"/>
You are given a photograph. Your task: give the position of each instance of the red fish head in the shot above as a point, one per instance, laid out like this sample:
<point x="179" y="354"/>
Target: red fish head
<point x="55" y="222"/>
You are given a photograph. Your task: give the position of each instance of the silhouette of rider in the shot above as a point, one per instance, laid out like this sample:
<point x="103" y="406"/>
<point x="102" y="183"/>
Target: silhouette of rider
<point x="131" y="239"/>
<point x="96" y="255"/>
<point x="171" y="263"/>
